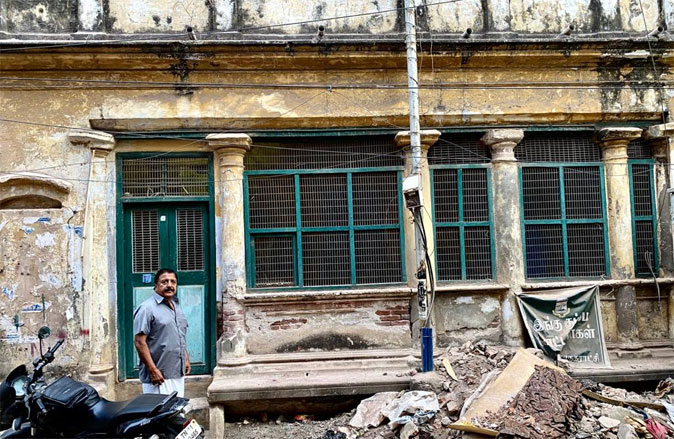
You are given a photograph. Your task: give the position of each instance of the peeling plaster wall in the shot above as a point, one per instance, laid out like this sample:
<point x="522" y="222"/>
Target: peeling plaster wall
<point x="40" y="284"/>
<point x="255" y="13"/>
<point x="327" y="326"/>
<point x="44" y="16"/>
<point x="459" y="318"/>
<point x="359" y="17"/>
<point x="129" y="16"/>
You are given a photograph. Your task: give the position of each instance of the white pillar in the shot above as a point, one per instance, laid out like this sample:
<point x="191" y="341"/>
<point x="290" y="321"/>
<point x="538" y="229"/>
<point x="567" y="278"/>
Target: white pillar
<point x="507" y="227"/>
<point x="231" y="149"/>
<point x="99" y="292"/>
<point x="613" y="143"/>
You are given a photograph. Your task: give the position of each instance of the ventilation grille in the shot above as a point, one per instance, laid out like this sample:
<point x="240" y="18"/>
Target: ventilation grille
<point x="459" y="149"/>
<point x="190" y="239"/>
<point x="638" y="149"/>
<point x="145" y="241"/>
<point x="165" y="177"/>
<point x="557" y="147"/>
<point x="324" y="154"/>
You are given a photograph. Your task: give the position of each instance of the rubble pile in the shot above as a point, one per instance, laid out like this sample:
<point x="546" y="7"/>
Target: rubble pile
<point x="545" y="408"/>
<point x="548" y="404"/>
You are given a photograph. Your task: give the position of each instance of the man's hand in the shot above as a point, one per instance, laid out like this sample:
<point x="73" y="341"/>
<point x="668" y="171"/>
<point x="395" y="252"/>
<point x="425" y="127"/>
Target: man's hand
<point x="156" y="377"/>
<point x="188" y="367"/>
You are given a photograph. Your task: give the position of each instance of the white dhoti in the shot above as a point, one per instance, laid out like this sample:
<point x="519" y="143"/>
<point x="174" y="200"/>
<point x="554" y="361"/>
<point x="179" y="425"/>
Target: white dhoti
<point x="169" y="386"/>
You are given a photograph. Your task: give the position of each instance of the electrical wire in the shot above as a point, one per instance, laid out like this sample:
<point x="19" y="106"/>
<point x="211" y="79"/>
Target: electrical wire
<point x="636" y="85"/>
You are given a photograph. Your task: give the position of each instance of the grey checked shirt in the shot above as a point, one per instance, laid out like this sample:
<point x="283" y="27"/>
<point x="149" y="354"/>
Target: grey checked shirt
<point x="165" y="330"/>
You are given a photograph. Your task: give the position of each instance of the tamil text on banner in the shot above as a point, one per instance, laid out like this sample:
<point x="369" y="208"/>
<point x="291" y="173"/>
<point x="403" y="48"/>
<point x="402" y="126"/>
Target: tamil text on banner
<point x="566" y="324"/>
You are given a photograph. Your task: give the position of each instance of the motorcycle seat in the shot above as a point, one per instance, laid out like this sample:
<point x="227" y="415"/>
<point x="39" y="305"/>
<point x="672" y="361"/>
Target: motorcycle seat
<point x="107" y="415"/>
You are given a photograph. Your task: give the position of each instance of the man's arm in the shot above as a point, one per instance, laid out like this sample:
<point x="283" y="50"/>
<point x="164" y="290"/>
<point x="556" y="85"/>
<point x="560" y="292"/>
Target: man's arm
<point x="140" y="341"/>
<point x="188" y="367"/>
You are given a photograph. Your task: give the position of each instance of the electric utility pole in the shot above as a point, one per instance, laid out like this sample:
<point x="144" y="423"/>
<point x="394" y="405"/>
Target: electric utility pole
<point x="415" y="181"/>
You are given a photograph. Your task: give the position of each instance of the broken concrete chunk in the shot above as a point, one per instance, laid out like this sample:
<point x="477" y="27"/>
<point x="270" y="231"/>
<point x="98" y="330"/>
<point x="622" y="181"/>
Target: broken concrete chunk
<point x="607" y="422"/>
<point x="617" y="413"/>
<point x="626" y="431"/>
<point x="409" y="430"/>
<point x="369" y="411"/>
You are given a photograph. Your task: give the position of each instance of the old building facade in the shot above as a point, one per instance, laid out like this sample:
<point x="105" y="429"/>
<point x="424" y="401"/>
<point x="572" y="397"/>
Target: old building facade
<point x="264" y="161"/>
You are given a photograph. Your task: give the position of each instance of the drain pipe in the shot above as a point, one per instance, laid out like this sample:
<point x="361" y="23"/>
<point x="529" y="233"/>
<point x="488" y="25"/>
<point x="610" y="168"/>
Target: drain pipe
<point x="412" y="186"/>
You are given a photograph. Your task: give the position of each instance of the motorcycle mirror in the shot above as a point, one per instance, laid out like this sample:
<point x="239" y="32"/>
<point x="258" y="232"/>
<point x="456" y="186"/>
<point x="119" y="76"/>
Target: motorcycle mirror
<point x="43" y="332"/>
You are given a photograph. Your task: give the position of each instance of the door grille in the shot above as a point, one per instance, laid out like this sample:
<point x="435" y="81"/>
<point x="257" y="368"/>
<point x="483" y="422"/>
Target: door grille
<point x="165" y="177"/>
<point x="145" y="241"/>
<point x="190" y="239"/>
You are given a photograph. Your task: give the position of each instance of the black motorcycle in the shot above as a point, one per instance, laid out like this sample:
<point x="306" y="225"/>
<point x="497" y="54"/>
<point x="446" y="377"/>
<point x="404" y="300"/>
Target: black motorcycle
<point x="31" y="407"/>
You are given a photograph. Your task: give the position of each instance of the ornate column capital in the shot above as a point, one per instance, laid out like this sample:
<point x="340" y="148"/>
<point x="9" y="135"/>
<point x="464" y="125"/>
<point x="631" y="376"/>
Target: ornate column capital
<point x="658" y="137"/>
<point x="99" y="142"/>
<point x="613" y="141"/>
<point x="231" y="147"/>
<point x="428" y="139"/>
<point x="502" y="143"/>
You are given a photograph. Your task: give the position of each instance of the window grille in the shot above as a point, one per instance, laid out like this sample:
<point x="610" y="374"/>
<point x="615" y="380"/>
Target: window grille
<point x="322" y="153"/>
<point x="190" y="232"/>
<point x="463" y="223"/>
<point x="145" y="241"/>
<point x="638" y="149"/>
<point x="564" y="220"/>
<point x="452" y="149"/>
<point x="165" y="177"/>
<point x="644" y="224"/>
<point x="318" y="217"/>
<point x="557" y="147"/>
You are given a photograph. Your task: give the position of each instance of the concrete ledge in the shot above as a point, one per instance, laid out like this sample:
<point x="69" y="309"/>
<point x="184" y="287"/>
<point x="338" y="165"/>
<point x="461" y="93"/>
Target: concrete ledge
<point x="648" y="364"/>
<point x="308" y="375"/>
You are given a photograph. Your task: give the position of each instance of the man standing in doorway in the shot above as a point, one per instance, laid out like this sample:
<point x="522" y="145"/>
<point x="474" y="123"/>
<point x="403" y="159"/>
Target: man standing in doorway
<point x="160" y="327"/>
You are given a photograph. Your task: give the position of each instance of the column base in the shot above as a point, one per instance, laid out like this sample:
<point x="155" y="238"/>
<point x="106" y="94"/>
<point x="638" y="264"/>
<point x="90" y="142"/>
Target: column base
<point x="102" y="378"/>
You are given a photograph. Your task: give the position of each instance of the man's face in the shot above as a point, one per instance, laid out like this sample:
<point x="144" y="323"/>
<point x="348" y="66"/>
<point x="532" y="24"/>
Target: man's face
<point x="166" y="285"/>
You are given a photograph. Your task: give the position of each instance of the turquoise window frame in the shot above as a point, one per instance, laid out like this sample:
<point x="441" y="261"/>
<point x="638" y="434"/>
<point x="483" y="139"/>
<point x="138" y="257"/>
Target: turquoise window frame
<point x="297" y="231"/>
<point x="461" y="224"/>
<point x="563" y="221"/>
<point x="652" y="217"/>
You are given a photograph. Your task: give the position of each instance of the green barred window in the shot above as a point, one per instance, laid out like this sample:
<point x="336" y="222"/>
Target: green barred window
<point x="642" y="193"/>
<point x="324" y="212"/>
<point x="563" y="206"/>
<point x="462" y="215"/>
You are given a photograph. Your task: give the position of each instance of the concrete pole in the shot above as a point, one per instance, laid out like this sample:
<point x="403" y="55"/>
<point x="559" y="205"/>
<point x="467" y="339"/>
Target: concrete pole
<point x="613" y="143"/>
<point x="659" y="136"/>
<point x="99" y="292"/>
<point x="507" y="227"/>
<point x="427" y="139"/>
<point x="230" y="149"/>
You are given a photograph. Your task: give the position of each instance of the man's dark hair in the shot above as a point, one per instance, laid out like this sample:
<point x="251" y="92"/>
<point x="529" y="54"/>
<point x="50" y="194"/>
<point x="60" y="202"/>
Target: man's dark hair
<point x="162" y="271"/>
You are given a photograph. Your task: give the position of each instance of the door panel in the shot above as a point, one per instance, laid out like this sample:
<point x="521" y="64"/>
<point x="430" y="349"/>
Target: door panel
<point x="172" y="236"/>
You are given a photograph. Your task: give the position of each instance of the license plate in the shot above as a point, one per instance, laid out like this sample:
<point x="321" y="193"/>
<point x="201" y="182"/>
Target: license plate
<point x="191" y="431"/>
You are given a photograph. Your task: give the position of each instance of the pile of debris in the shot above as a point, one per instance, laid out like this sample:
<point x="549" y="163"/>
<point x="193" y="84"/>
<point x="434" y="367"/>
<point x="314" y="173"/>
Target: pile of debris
<point x="486" y="391"/>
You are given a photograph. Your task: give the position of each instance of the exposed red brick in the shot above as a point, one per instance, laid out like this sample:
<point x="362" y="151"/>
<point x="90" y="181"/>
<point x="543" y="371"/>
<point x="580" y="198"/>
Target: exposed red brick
<point x="389" y="318"/>
<point x="383" y="313"/>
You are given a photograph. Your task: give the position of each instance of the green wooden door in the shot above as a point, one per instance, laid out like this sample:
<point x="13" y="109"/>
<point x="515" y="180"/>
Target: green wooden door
<point x="176" y="236"/>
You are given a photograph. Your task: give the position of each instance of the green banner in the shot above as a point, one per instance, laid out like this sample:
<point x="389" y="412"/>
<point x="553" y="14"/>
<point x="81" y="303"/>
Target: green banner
<point x="566" y="324"/>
